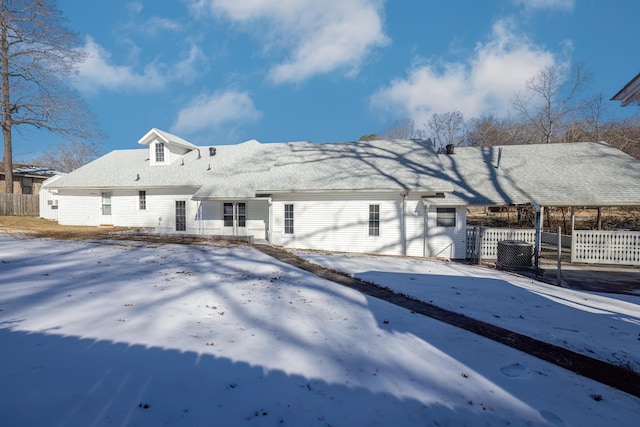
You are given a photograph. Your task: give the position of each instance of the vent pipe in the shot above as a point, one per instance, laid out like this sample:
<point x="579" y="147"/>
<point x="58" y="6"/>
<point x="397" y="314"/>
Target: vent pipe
<point x="212" y="151"/>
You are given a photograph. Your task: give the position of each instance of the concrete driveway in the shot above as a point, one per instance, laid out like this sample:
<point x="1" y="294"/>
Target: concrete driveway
<point x="617" y="279"/>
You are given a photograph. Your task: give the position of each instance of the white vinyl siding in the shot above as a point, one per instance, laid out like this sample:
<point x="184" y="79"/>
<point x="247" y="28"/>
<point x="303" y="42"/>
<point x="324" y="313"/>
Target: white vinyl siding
<point x="77" y="207"/>
<point x="445" y="241"/>
<point x="161" y="153"/>
<point x="332" y="222"/>
<point x="338" y="222"/>
<point x="83" y="207"/>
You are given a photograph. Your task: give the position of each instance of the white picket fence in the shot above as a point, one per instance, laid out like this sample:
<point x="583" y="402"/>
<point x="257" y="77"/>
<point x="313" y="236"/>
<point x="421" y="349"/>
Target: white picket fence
<point x="489" y="238"/>
<point x="606" y="247"/>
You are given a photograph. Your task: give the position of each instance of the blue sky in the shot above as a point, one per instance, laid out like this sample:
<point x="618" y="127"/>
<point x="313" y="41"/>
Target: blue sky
<point x="223" y="71"/>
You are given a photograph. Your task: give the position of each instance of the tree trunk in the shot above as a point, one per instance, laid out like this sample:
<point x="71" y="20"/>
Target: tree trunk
<point x="599" y="219"/>
<point x="6" y="102"/>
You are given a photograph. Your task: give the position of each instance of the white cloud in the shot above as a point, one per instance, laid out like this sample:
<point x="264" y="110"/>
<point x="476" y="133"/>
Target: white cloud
<point x="546" y="4"/>
<point x="98" y="72"/>
<point x="486" y="83"/>
<point x="151" y="26"/>
<point x="212" y="112"/>
<point x="318" y="36"/>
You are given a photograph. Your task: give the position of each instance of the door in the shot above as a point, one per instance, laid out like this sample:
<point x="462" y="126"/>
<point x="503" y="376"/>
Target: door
<point x="181" y="215"/>
<point x="234" y="219"/>
<point x="105" y="217"/>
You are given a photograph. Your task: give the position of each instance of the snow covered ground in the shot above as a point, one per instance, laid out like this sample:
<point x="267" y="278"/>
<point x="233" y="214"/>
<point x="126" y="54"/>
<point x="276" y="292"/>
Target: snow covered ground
<point x="113" y="333"/>
<point x="603" y="326"/>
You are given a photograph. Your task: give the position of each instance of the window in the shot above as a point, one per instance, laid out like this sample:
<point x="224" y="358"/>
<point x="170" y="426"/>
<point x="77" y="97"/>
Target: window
<point x="242" y="214"/>
<point x="181" y="215"/>
<point x="227" y="214"/>
<point x="27" y="185"/>
<point x="374" y="220"/>
<point x="446" y="217"/>
<point x="234" y="214"/>
<point x="288" y="219"/>
<point x="159" y="152"/>
<point x="106" y="203"/>
<point x="142" y="200"/>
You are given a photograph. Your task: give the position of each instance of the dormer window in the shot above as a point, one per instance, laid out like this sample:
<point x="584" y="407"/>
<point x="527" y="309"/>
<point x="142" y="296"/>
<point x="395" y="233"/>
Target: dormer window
<point x="159" y="152"/>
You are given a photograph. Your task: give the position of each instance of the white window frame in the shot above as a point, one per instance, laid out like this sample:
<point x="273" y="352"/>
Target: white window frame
<point x="106" y="203"/>
<point x="178" y="223"/>
<point x="160" y="152"/>
<point x="444" y="218"/>
<point x="142" y="200"/>
<point x="374" y="220"/>
<point x="289" y="218"/>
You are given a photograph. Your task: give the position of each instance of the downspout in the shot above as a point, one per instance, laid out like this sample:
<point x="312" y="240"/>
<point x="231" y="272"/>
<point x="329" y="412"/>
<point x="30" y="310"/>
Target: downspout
<point x="426" y="228"/>
<point x="270" y="221"/>
<point x="403" y="224"/>
<point x="538" y="242"/>
<point x="200" y="227"/>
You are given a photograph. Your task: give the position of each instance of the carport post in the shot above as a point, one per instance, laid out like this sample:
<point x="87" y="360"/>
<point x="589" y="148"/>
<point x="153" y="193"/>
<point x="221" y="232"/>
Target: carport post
<point x="538" y="243"/>
<point x="559" y="267"/>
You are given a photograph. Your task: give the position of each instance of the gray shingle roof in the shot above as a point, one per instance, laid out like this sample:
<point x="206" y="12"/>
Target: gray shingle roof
<point x="246" y="169"/>
<point x="573" y="174"/>
<point x="578" y="174"/>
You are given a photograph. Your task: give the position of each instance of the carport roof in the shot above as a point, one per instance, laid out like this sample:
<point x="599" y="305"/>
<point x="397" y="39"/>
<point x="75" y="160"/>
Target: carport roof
<point x="570" y="174"/>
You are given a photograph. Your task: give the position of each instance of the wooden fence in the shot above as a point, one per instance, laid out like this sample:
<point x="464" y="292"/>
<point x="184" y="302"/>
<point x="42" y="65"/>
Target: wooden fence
<point x="482" y="242"/>
<point x="606" y="247"/>
<point x="19" y="204"/>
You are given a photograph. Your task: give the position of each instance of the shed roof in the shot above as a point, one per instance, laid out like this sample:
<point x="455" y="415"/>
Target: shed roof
<point x="570" y="174"/>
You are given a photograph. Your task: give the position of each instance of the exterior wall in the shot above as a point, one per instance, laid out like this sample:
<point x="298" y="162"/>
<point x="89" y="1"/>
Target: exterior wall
<point x="332" y="222"/>
<point x="79" y="207"/>
<point x="171" y="153"/>
<point x="446" y="242"/>
<point x="48" y="200"/>
<point x="84" y="207"/>
<point x="23" y="184"/>
<point x="210" y="219"/>
<point x="415" y="227"/>
<point x="341" y="223"/>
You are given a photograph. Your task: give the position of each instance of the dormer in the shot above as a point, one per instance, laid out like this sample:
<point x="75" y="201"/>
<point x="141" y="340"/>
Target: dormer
<point x="164" y="148"/>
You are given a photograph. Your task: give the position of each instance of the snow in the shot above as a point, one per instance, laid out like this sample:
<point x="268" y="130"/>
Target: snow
<point x="129" y="333"/>
<point x="603" y="326"/>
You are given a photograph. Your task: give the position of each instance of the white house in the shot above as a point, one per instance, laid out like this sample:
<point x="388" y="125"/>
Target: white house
<point x="368" y="196"/>
<point x="387" y="197"/>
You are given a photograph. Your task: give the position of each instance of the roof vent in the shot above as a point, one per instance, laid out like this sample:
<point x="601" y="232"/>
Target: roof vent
<point x="212" y="151"/>
<point x="450" y="149"/>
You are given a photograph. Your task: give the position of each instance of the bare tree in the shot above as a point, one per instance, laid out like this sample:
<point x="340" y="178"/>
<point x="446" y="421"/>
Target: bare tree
<point x="489" y="130"/>
<point x="67" y="157"/>
<point x="448" y="128"/>
<point x="37" y="57"/>
<point x="550" y="98"/>
<point x="403" y="129"/>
